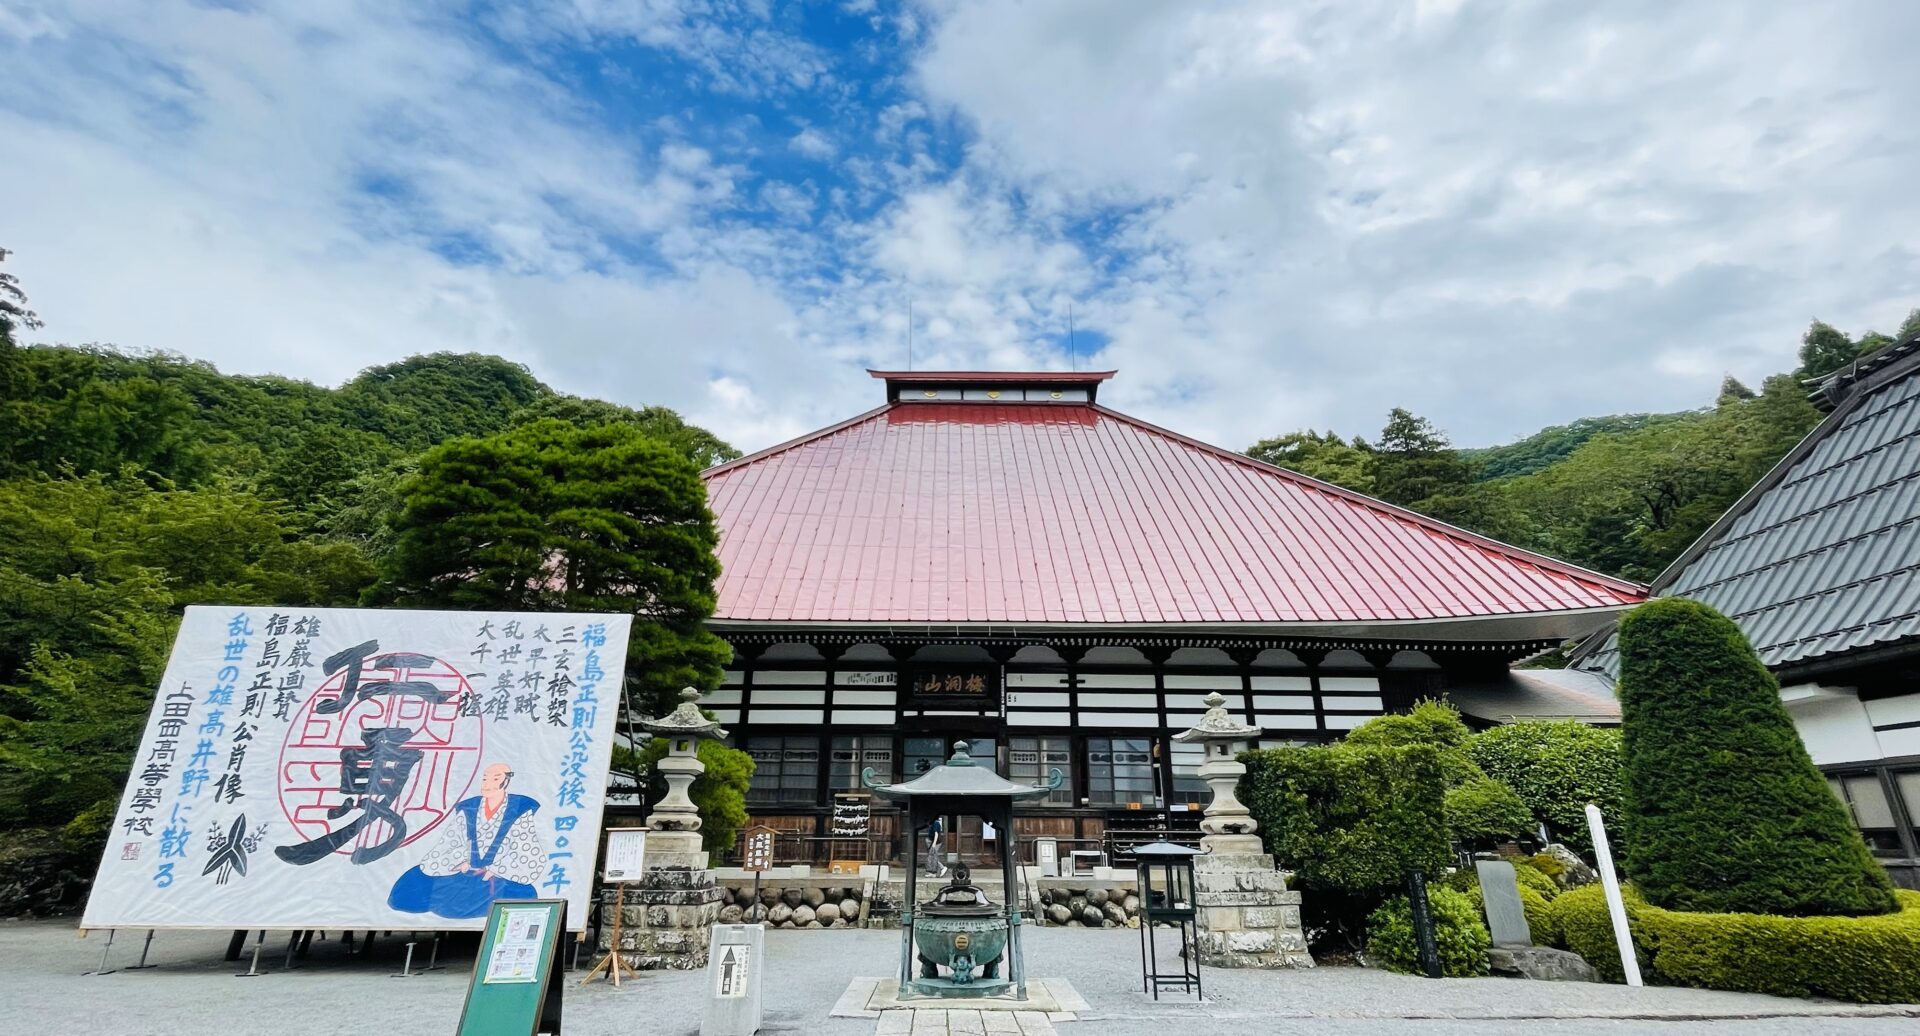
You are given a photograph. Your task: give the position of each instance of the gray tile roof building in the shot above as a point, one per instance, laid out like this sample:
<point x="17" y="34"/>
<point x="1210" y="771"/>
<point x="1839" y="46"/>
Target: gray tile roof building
<point x="1822" y="557"/>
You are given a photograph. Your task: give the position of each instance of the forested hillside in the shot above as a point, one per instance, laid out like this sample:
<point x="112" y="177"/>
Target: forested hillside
<point x="133" y="485"/>
<point x="1623" y="494"/>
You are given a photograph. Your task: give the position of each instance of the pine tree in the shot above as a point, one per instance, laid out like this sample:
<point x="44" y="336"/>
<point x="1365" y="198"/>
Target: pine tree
<point x="1725" y="810"/>
<point x="1414" y="461"/>
<point x="554" y="517"/>
<point x="1732" y="390"/>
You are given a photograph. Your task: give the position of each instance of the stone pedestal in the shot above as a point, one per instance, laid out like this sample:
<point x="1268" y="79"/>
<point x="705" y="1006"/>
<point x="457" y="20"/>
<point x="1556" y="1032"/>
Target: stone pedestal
<point x="1248" y="918"/>
<point x="668" y="913"/>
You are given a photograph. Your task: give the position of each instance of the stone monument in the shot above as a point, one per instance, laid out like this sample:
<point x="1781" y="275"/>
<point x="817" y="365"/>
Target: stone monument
<point x="670" y="911"/>
<point x="1248" y="918"/>
<point x="1513" y="952"/>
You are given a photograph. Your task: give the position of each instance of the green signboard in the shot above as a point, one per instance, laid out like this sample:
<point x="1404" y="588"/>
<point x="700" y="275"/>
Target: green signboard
<point x="515" y="989"/>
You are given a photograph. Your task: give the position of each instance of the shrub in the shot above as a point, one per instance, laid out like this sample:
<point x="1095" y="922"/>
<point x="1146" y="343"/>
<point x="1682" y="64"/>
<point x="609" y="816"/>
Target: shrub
<point x="1347" y="817"/>
<point x="1458" y="933"/>
<point x="1556" y="769"/>
<point x="1351" y="821"/>
<point x="1434" y="724"/>
<point x="1725" y="811"/>
<point x="1863" y="959"/>
<point x="1532" y="877"/>
<point x="1483" y="811"/>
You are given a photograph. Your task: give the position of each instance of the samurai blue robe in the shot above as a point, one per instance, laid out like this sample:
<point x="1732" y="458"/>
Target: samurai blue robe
<point x="506" y="845"/>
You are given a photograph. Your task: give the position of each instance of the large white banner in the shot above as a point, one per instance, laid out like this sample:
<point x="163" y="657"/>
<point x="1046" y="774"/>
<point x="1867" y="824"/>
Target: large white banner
<point x="348" y="768"/>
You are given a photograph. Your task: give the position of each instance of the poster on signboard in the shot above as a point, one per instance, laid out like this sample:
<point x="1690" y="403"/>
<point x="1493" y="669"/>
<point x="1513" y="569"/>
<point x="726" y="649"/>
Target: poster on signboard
<point x="353" y="768"/>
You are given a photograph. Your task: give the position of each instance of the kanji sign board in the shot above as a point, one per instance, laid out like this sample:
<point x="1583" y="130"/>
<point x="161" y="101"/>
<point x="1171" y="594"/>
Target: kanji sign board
<point x="353" y="768"/>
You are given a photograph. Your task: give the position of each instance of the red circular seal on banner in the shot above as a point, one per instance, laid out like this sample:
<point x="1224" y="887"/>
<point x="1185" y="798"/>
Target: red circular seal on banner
<point x="441" y="753"/>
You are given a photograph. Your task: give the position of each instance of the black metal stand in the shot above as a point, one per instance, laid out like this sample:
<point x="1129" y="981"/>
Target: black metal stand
<point x="1152" y="979"/>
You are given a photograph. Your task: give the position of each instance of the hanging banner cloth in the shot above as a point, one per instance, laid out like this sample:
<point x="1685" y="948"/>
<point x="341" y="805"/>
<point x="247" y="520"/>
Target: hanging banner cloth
<point x="354" y="768"/>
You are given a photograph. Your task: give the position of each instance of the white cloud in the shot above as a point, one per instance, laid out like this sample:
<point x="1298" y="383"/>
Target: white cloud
<point x="813" y="144"/>
<point x="1499" y="217"/>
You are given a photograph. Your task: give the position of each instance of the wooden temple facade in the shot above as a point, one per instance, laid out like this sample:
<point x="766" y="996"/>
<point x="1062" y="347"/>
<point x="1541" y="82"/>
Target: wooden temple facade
<point x="998" y="558"/>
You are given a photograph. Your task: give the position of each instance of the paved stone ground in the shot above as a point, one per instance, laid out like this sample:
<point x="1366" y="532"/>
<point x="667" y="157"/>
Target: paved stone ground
<point x="193" y="992"/>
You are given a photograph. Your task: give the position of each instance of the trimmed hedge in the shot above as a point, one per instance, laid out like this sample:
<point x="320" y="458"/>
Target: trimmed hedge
<point x="1458" y="934"/>
<point x="1482" y="812"/>
<point x="1725" y="810"/>
<point x="1349" y="817"/>
<point x="1874" y="960"/>
<point x="1556" y="769"/>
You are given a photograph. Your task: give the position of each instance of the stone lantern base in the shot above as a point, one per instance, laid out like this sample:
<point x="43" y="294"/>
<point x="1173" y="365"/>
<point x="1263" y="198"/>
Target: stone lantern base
<point x="1248" y="918"/>
<point x="667" y="914"/>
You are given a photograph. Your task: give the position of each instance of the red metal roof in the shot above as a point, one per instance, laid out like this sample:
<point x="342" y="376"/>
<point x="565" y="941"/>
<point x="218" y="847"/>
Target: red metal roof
<point x="1018" y="512"/>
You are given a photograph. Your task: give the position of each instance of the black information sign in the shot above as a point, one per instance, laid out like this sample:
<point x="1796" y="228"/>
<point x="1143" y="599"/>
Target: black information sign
<point x="954" y="686"/>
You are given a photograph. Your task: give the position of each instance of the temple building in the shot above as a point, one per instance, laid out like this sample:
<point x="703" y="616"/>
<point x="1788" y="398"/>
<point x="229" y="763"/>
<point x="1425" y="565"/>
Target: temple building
<point x="1819" y="564"/>
<point x="997" y="557"/>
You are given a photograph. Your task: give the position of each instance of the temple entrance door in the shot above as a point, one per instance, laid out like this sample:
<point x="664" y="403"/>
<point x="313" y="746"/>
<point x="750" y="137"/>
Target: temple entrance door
<point x="965" y="835"/>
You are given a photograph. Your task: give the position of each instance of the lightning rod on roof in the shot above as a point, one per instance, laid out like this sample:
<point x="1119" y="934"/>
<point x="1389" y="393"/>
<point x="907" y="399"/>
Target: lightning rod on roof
<point x="1073" y="355"/>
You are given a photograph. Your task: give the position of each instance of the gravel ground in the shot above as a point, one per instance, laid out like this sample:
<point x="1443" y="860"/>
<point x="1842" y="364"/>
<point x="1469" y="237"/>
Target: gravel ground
<point x="193" y="991"/>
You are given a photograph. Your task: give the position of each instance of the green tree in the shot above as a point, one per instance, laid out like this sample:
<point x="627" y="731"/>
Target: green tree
<point x="555" y="517"/>
<point x="1480" y="811"/>
<point x="1732" y="391"/>
<point x="1412" y="462"/>
<point x="1326" y="457"/>
<point x="94" y="572"/>
<point x="13" y="307"/>
<point x="696" y="444"/>
<point x="1823" y="350"/>
<point x="1909" y="326"/>
<point x="1725" y="810"/>
<point x="1556" y="769"/>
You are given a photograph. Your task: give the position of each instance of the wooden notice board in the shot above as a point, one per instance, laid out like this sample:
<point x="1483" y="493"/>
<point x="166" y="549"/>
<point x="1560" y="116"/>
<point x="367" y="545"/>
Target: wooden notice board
<point x="515" y="988"/>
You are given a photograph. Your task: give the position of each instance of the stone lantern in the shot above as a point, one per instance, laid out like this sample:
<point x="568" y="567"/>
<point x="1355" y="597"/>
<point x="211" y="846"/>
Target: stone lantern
<point x="677" y="898"/>
<point x="1229" y="826"/>
<point x="1248" y="918"/>
<point x="675" y="820"/>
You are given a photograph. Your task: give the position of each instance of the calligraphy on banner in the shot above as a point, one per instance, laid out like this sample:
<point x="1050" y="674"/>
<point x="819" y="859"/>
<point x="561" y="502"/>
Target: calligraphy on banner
<point x="307" y="768"/>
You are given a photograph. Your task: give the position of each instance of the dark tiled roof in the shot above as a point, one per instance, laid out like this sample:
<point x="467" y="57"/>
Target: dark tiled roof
<point x="1823" y="555"/>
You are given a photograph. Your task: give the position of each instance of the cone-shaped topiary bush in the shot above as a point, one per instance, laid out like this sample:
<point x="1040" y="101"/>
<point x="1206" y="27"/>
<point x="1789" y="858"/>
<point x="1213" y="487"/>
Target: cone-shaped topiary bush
<point x="1725" y="810"/>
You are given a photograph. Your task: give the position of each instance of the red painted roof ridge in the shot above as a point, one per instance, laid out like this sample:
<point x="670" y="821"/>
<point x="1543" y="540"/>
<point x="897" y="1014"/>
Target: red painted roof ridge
<point x="1377" y="504"/>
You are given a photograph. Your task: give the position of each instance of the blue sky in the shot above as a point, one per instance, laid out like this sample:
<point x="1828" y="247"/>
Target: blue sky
<point x="1268" y="216"/>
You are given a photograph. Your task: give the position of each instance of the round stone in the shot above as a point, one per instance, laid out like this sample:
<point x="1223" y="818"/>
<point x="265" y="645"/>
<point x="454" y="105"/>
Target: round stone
<point x="732" y="914"/>
<point x="1096" y="897"/>
<point x="1132" y="905"/>
<point x="769" y="896"/>
<point x="812" y="924"/>
<point x="744" y="896"/>
<point x="827" y="913"/>
<point x="1059" y="914"/>
<point x="1115" y="913"/>
<point x="813" y="897"/>
<point x="1077" y="904"/>
<point x="780" y="914"/>
<point x="802" y="916"/>
<point x="835" y="895"/>
<point x="1092" y="916"/>
<point x="793" y="897"/>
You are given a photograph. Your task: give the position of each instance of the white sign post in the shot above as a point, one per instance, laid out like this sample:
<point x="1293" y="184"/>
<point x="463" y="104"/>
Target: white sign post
<point x="733" y="980"/>
<point x="309" y="768"/>
<point x="626" y="855"/>
<point x="1616" y="906"/>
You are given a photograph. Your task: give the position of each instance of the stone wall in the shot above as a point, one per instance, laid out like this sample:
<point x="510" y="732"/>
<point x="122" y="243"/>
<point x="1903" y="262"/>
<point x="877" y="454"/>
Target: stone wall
<point x="829" y="905"/>
<point x="1084" y="904"/>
